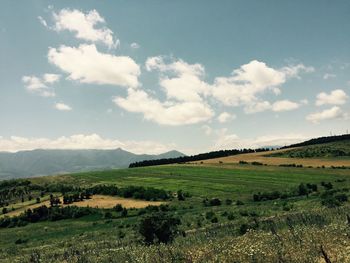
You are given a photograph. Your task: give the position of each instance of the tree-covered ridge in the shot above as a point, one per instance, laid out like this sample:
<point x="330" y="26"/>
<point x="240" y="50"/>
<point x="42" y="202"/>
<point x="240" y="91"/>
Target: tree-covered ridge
<point x="197" y="157"/>
<point x="335" y="149"/>
<point x="321" y="140"/>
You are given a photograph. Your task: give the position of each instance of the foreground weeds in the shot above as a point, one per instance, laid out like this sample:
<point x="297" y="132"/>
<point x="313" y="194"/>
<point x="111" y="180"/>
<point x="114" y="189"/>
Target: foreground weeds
<point x="324" y="237"/>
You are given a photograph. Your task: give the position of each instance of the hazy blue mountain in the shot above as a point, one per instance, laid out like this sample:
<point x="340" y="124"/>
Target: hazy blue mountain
<point x="46" y="162"/>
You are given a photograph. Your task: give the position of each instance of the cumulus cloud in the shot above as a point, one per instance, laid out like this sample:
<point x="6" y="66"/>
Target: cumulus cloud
<point x="87" y="65"/>
<point x="62" y="107"/>
<point x="335" y="97"/>
<point x="39" y="85"/>
<point x="328" y="114"/>
<point x="285" y="105"/>
<point x="252" y="79"/>
<point x="86" y="26"/>
<point x="225" y="117"/>
<point x="180" y="80"/>
<point x="257" y="106"/>
<point x="81" y="141"/>
<point x="167" y="113"/>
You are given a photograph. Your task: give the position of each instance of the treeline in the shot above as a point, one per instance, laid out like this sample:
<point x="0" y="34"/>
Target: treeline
<point x="13" y="191"/>
<point x="137" y="192"/>
<point x="320" y="140"/>
<point x="44" y="213"/>
<point x="301" y="190"/>
<point x="197" y="157"/>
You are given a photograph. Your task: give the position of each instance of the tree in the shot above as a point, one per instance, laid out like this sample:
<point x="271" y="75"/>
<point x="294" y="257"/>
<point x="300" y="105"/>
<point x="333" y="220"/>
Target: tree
<point x="118" y="208"/>
<point x="4" y="210"/>
<point x="124" y="212"/>
<point x="180" y="195"/>
<point x="302" y="189"/>
<point x="158" y="228"/>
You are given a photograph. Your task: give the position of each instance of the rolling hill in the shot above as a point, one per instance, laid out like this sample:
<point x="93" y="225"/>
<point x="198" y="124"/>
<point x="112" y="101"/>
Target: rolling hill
<point x="45" y="162"/>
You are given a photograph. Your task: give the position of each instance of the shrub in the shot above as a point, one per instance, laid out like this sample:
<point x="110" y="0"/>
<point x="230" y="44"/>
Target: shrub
<point x="231" y="216"/>
<point x="214" y="220"/>
<point x="239" y="202"/>
<point x="243" y="229"/>
<point x="215" y="202"/>
<point x="228" y="202"/>
<point x="158" y="228"/>
<point x="118" y="208"/>
<point x="180" y="195"/>
<point x="302" y="189"/>
<point x="209" y="215"/>
<point x="124" y="212"/>
<point x="327" y="186"/>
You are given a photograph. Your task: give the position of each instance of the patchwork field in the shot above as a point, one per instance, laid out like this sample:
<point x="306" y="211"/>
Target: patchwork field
<point x="96" y="201"/>
<point x="235" y="227"/>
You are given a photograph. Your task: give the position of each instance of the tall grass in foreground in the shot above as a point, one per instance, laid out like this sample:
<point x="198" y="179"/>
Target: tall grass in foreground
<point x="316" y="236"/>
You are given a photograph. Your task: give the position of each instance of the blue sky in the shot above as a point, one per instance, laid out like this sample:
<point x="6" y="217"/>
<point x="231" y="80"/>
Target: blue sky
<point x="151" y="76"/>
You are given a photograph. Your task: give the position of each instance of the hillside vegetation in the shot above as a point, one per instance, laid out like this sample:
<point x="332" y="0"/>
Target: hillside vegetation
<point x="217" y="213"/>
<point x="337" y="149"/>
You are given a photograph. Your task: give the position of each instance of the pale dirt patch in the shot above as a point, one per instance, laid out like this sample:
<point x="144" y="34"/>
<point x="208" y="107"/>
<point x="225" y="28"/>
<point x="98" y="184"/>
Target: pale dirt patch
<point x="260" y="157"/>
<point x="97" y="201"/>
<point x="104" y="201"/>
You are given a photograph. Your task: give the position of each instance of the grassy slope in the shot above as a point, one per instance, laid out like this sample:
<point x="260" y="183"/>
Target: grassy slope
<point x="223" y="181"/>
<point x="205" y="181"/>
<point x="340" y="149"/>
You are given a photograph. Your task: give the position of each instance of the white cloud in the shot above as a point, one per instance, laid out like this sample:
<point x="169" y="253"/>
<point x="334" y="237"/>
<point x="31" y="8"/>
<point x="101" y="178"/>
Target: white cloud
<point x="328" y="114"/>
<point x="39" y="86"/>
<point x="51" y="78"/>
<point x="81" y="141"/>
<point x="336" y="97"/>
<point x="134" y="45"/>
<point x="84" y="26"/>
<point x="226" y="140"/>
<point x="180" y="80"/>
<point x="62" y="107"/>
<point x="284" y="105"/>
<point x="252" y="79"/>
<point x="167" y="113"/>
<point x="42" y="21"/>
<point x="257" y="106"/>
<point x="225" y="117"/>
<point x="87" y="65"/>
<point x="329" y="76"/>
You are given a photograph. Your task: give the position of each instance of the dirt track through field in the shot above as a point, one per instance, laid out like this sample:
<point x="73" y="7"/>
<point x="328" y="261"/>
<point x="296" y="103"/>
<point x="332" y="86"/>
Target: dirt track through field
<point x="260" y="157"/>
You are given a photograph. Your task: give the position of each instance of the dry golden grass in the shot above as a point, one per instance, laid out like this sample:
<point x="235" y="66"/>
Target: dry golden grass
<point x="260" y="157"/>
<point x="99" y="201"/>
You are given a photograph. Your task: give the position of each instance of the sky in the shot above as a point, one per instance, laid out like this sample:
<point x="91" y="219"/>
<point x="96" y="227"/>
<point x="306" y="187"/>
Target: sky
<point x="153" y="76"/>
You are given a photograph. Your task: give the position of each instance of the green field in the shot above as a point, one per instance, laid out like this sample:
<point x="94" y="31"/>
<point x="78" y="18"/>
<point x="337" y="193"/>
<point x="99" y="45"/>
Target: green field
<point x="65" y="239"/>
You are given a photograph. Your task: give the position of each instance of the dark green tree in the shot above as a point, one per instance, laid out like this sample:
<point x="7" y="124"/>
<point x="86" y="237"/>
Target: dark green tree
<point x="159" y="228"/>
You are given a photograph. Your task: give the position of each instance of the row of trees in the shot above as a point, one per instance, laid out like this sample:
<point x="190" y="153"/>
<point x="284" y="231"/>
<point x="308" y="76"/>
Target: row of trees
<point x="192" y="158"/>
<point x="320" y="140"/>
<point x="137" y="192"/>
<point x="301" y="190"/>
<point x="44" y="213"/>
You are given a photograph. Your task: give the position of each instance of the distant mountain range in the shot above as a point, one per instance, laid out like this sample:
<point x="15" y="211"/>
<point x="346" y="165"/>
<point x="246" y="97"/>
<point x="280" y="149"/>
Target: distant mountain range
<point x="46" y="162"/>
